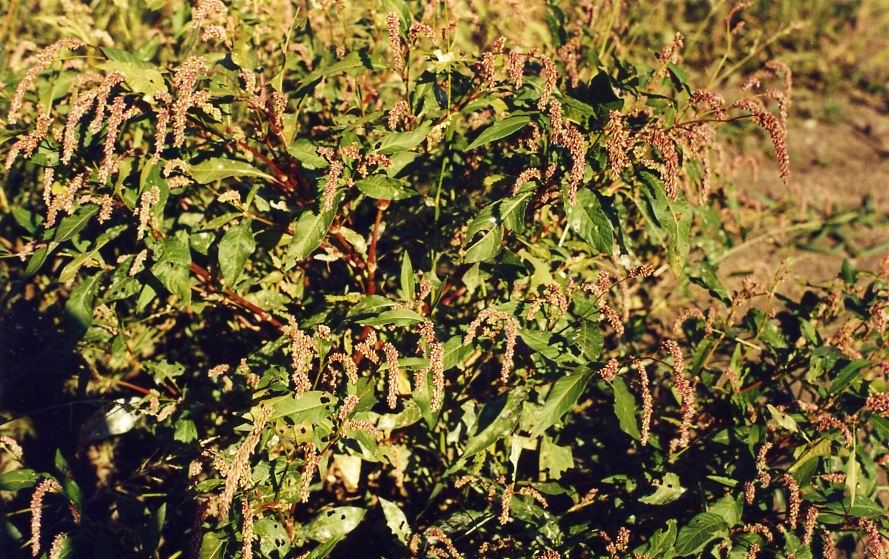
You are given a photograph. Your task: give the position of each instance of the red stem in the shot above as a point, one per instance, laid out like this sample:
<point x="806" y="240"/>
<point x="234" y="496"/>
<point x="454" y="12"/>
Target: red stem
<point x="205" y="277"/>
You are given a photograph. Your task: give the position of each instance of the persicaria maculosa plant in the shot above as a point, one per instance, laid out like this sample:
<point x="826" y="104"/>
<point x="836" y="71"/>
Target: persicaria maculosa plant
<point x="374" y="280"/>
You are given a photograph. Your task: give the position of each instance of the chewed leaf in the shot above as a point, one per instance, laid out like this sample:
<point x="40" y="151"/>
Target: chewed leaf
<point x="332" y="524"/>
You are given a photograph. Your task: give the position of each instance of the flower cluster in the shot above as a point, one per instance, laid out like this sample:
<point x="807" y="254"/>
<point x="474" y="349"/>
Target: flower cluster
<point x="41" y="62"/>
<point x="510" y="328"/>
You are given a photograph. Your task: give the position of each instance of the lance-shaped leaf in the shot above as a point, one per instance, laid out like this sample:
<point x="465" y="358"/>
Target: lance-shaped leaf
<point x="625" y="408"/>
<point x="235" y="247"/>
<point x="500" y="129"/>
<point x="218" y="168"/>
<point x="561" y="398"/>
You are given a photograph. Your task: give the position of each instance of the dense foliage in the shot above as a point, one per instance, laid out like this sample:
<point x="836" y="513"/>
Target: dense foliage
<point x="373" y="281"/>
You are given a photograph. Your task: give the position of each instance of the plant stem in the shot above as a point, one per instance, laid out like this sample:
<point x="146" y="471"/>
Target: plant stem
<point x="372" y="251"/>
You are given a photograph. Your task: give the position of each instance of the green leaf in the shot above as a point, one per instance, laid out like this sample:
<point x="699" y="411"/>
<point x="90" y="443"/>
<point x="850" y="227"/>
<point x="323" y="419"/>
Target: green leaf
<point x="588" y="337"/>
<point x="486" y="247"/>
<point x="218" y="168"/>
<point x="235" y="248"/>
<point x="311" y="405"/>
<point x="502" y="425"/>
<point x="14" y="480"/>
<point x="847" y="374"/>
<point x="27" y="219"/>
<point x="399" y="317"/>
<point x="782" y="419"/>
<point x="352" y="61"/>
<point x="371" y="305"/>
<point x="70" y="270"/>
<point x="555" y="459"/>
<point x="852" y="470"/>
<point x="661" y="543"/>
<point x="500" y="129"/>
<point x="335" y="523"/>
<point x="273" y="539"/>
<point x="511" y="211"/>
<point x="79" y="307"/>
<point x="324" y="550"/>
<point x="307" y="154"/>
<point x="173" y="268"/>
<point x="863" y="508"/>
<point x="672" y="217"/>
<point x="667" y="491"/>
<point x="561" y="398"/>
<point x="394" y="142"/>
<point x="65" y="549"/>
<point x="212" y="546"/>
<point x="162" y="370"/>
<point x="815" y="449"/>
<point x="186" y="431"/>
<point x="73" y="224"/>
<point x="625" y="408"/>
<point x="542" y="342"/>
<point x="308" y="233"/>
<point x="354" y="239"/>
<point x="396" y="520"/>
<point x="588" y="220"/>
<point x="155" y="528"/>
<point x="382" y="187"/>
<point x="729" y="508"/>
<point x="455" y="352"/>
<point x="142" y="77"/>
<point x="38" y="258"/>
<point x="119" y="55"/>
<point x="848" y="272"/>
<point x="408" y="290"/>
<point x="401" y="8"/>
<point x="705" y="276"/>
<point x="679" y="228"/>
<point x="703" y="529"/>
